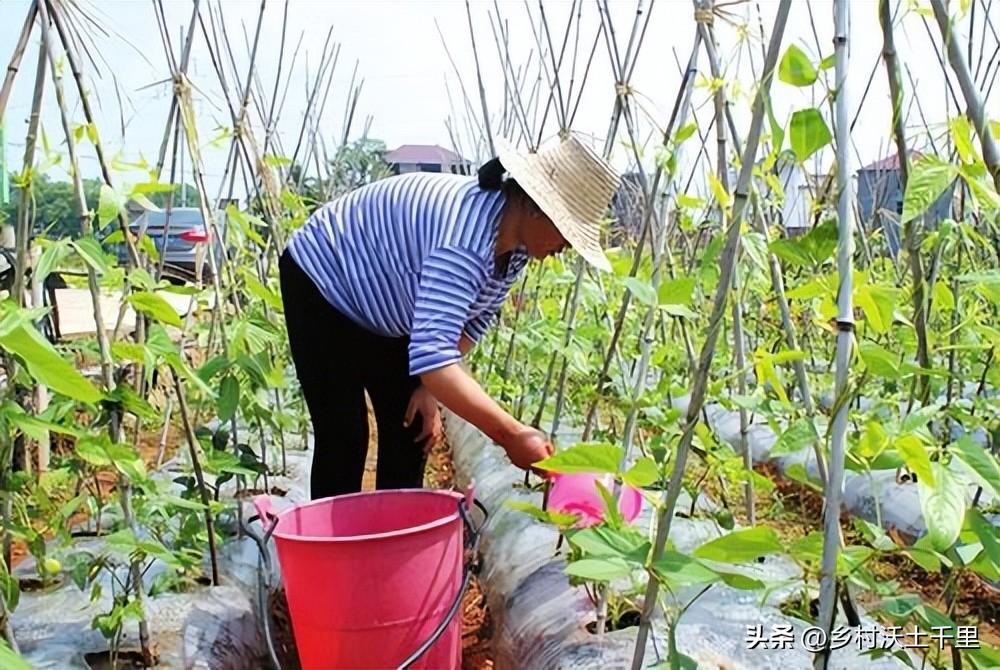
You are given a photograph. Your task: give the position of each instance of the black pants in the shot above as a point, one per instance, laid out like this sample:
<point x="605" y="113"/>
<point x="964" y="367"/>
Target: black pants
<point x="336" y="361"/>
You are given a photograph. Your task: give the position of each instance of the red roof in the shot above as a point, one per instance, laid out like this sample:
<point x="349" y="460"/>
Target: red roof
<point x="422" y="153"/>
<point x="891" y="162"/>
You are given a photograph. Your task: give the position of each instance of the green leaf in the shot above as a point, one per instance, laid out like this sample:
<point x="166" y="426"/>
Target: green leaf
<point x="915" y="456"/>
<point x="14" y="317"/>
<point x="678" y="570"/>
<point x="10" y="660"/>
<point x="258" y="290"/>
<point x="676" y="291"/>
<point x="47" y="366"/>
<point x="879" y="360"/>
<point x="777" y="129"/>
<point x="154" y="187"/>
<point x="181" y="503"/>
<point x="985" y="194"/>
<point x="987" y="534"/>
<point x="943" y="506"/>
<point x="10" y="589"/>
<point x="229" y="398"/>
<point x="599" y="569"/>
<point x="808" y="133"/>
<point x="741" y="546"/>
<point x="92" y="451"/>
<point x="685" y="132"/>
<point x="817" y="288"/>
<point x="92" y="253"/>
<point x="879" y="305"/>
<point x="929" y="177"/>
<point x="791" y="250"/>
<point x="628" y="543"/>
<point x="55" y="252"/>
<point x="643" y="473"/>
<point x="828" y="62"/>
<point x="795" y="68"/>
<point x="742" y="582"/>
<point x="873" y="442"/>
<point x="129" y="351"/>
<point x="961" y="132"/>
<point x="808" y="549"/>
<point x="980" y="460"/>
<point x="689" y="201"/>
<point x="722" y="196"/>
<point x="679" y="311"/>
<point x="642" y="290"/>
<point x="109" y="205"/>
<point x="584" y="457"/>
<point x="798" y="436"/>
<point x="545" y="516"/>
<point x="919" y="418"/>
<point x="755" y="246"/>
<point x="156" y="307"/>
<point x="127" y="461"/>
<point x="213" y="367"/>
<point x="985" y="657"/>
<point x="37" y="428"/>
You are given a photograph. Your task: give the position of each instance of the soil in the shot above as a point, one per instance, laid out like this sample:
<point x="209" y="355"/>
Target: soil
<point x="250" y="493"/>
<point x="126" y="659"/>
<point x="281" y="631"/>
<point x="628" y="619"/>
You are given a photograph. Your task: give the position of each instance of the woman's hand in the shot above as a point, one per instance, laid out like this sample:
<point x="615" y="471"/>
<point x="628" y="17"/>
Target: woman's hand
<point x="424" y="403"/>
<point x="528" y="446"/>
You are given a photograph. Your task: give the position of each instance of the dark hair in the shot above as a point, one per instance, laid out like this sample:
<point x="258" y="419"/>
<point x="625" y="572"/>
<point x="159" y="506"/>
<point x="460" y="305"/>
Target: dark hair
<point x="491" y="175"/>
<point x="491" y="179"/>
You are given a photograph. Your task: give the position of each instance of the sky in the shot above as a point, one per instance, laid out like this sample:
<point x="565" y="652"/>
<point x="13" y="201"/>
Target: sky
<point x="411" y="87"/>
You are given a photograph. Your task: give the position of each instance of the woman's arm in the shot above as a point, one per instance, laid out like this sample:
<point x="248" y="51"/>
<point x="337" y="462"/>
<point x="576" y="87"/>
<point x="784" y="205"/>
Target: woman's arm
<point x="456" y="390"/>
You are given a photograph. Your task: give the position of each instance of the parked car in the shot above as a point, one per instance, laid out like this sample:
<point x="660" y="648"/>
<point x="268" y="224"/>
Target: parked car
<point x="182" y="240"/>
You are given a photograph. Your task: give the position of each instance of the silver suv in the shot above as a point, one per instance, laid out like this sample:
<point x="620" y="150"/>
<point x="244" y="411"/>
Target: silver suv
<point x="182" y="240"/>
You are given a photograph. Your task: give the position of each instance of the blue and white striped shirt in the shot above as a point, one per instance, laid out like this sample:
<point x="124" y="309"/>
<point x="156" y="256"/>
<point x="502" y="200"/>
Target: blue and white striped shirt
<point x="412" y="255"/>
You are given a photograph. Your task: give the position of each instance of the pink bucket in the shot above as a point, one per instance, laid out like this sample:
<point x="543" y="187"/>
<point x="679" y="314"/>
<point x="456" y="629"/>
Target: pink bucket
<point x="371" y="578"/>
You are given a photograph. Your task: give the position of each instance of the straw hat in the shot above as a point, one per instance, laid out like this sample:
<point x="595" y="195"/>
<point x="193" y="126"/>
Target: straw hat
<point x="573" y="186"/>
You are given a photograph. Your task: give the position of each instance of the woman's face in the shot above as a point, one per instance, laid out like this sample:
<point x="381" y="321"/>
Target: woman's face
<point x="539" y="235"/>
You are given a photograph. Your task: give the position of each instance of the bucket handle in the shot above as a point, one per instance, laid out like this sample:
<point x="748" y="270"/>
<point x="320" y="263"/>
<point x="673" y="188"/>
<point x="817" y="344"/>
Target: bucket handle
<point x="269" y="521"/>
<point x="262" y="504"/>
<point x="471" y="564"/>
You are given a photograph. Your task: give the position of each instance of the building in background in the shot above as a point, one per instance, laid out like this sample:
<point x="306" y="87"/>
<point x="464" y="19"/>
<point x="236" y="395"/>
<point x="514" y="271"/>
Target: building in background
<point x="880" y="199"/>
<point x="787" y="193"/>
<point x="426" y="158"/>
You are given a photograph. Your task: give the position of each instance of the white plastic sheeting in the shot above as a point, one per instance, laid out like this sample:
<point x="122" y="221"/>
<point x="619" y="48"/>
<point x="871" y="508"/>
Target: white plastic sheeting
<point x="209" y="628"/>
<point x="873" y="496"/>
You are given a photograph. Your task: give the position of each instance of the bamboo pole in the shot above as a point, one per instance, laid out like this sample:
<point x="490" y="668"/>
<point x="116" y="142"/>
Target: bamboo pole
<point x="479" y="79"/>
<point x="40" y="392"/>
<point x="20" y="240"/>
<point x="739" y="344"/>
<point x="23" y="229"/>
<point x="913" y="233"/>
<point x="54" y="10"/>
<point x="845" y="337"/>
<point x="975" y="111"/>
<point x="679" y="114"/>
<point x="15" y="60"/>
<point x="775" y="271"/>
<point x="104" y="347"/>
<point x="715" y="321"/>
